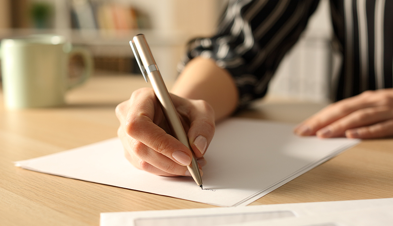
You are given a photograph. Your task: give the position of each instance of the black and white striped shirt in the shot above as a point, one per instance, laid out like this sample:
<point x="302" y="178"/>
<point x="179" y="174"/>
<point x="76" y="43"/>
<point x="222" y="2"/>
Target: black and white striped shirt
<point x="254" y="36"/>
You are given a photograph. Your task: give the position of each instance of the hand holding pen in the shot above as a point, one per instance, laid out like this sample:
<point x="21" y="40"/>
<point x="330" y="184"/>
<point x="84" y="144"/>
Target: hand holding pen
<point x="144" y="133"/>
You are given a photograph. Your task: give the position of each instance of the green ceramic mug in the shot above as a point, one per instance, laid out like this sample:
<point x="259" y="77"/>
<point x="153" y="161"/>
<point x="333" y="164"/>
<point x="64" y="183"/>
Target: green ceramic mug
<point x="35" y="70"/>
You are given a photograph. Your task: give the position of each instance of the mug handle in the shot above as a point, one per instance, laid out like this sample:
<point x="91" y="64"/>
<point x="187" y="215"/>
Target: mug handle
<point x="87" y="59"/>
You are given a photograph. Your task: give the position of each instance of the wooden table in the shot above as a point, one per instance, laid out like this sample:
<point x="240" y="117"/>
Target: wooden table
<point x="30" y="198"/>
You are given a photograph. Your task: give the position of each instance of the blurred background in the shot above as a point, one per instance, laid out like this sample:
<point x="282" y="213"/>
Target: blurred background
<point x="106" y="26"/>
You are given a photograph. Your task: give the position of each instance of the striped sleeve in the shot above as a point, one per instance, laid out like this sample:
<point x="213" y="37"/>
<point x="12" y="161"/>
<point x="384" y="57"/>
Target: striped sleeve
<point x="252" y="39"/>
<point x="364" y="36"/>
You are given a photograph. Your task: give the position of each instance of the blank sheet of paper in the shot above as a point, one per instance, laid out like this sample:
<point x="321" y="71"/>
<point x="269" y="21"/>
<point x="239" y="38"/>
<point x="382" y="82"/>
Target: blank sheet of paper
<point x="246" y="160"/>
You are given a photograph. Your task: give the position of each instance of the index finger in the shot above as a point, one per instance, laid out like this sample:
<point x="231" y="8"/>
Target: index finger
<point x="331" y="114"/>
<point x="201" y="123"/>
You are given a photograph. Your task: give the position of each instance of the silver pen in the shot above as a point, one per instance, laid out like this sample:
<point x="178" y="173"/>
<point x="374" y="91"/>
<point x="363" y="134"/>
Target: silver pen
<point x="150" y="71"/>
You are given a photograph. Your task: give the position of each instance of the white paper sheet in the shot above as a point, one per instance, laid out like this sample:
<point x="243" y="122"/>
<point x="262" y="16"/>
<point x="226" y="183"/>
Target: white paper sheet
<point x="250" y="215"/>
<point x="246" y="160"/>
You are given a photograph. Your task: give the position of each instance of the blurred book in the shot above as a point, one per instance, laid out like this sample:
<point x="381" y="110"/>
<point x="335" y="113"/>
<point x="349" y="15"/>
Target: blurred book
<point x="20" y="13"/>
<point x="124" y="17"/>
<point x="83" y="15"/>
<point x="5" y="16"/>
<point x="114" y="65"/>
<point x="103" y="15"/>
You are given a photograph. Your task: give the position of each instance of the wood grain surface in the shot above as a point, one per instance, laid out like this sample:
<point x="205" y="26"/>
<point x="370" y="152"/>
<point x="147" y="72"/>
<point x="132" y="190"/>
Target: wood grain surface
<point x="30" y="198"/>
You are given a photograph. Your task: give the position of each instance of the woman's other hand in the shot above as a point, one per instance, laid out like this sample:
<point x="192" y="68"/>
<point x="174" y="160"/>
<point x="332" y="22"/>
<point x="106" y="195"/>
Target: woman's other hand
<point x="368" y="115"/>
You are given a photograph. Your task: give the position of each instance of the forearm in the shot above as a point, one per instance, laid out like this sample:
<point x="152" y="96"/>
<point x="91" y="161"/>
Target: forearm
<point x="203" y="79"/>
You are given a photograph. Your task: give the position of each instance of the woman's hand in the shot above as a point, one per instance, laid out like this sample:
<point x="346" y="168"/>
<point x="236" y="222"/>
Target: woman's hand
<point x="144" y="133"/>
<point x="368" y="115"/>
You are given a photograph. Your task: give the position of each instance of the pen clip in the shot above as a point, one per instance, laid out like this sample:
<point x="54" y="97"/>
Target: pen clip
<point x="138" y="60"/>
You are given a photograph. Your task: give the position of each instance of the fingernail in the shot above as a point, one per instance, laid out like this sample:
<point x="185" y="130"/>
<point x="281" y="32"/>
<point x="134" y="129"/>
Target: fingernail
<point x="303" y="130"/>
<point x="325" y="132"/>
<point x="182" y="157"/>
<point x="201" y="162"/>
<point x="352" y="134"/>
<point x="201" y="143"/>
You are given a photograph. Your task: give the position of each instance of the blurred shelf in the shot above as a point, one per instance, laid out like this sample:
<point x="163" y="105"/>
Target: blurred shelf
<point x="104" y="37"/>
<point x="106" y="42"/>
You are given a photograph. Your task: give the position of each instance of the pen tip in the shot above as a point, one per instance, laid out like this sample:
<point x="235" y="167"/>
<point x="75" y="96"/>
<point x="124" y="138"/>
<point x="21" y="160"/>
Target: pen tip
<point x="201" y="186"/>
